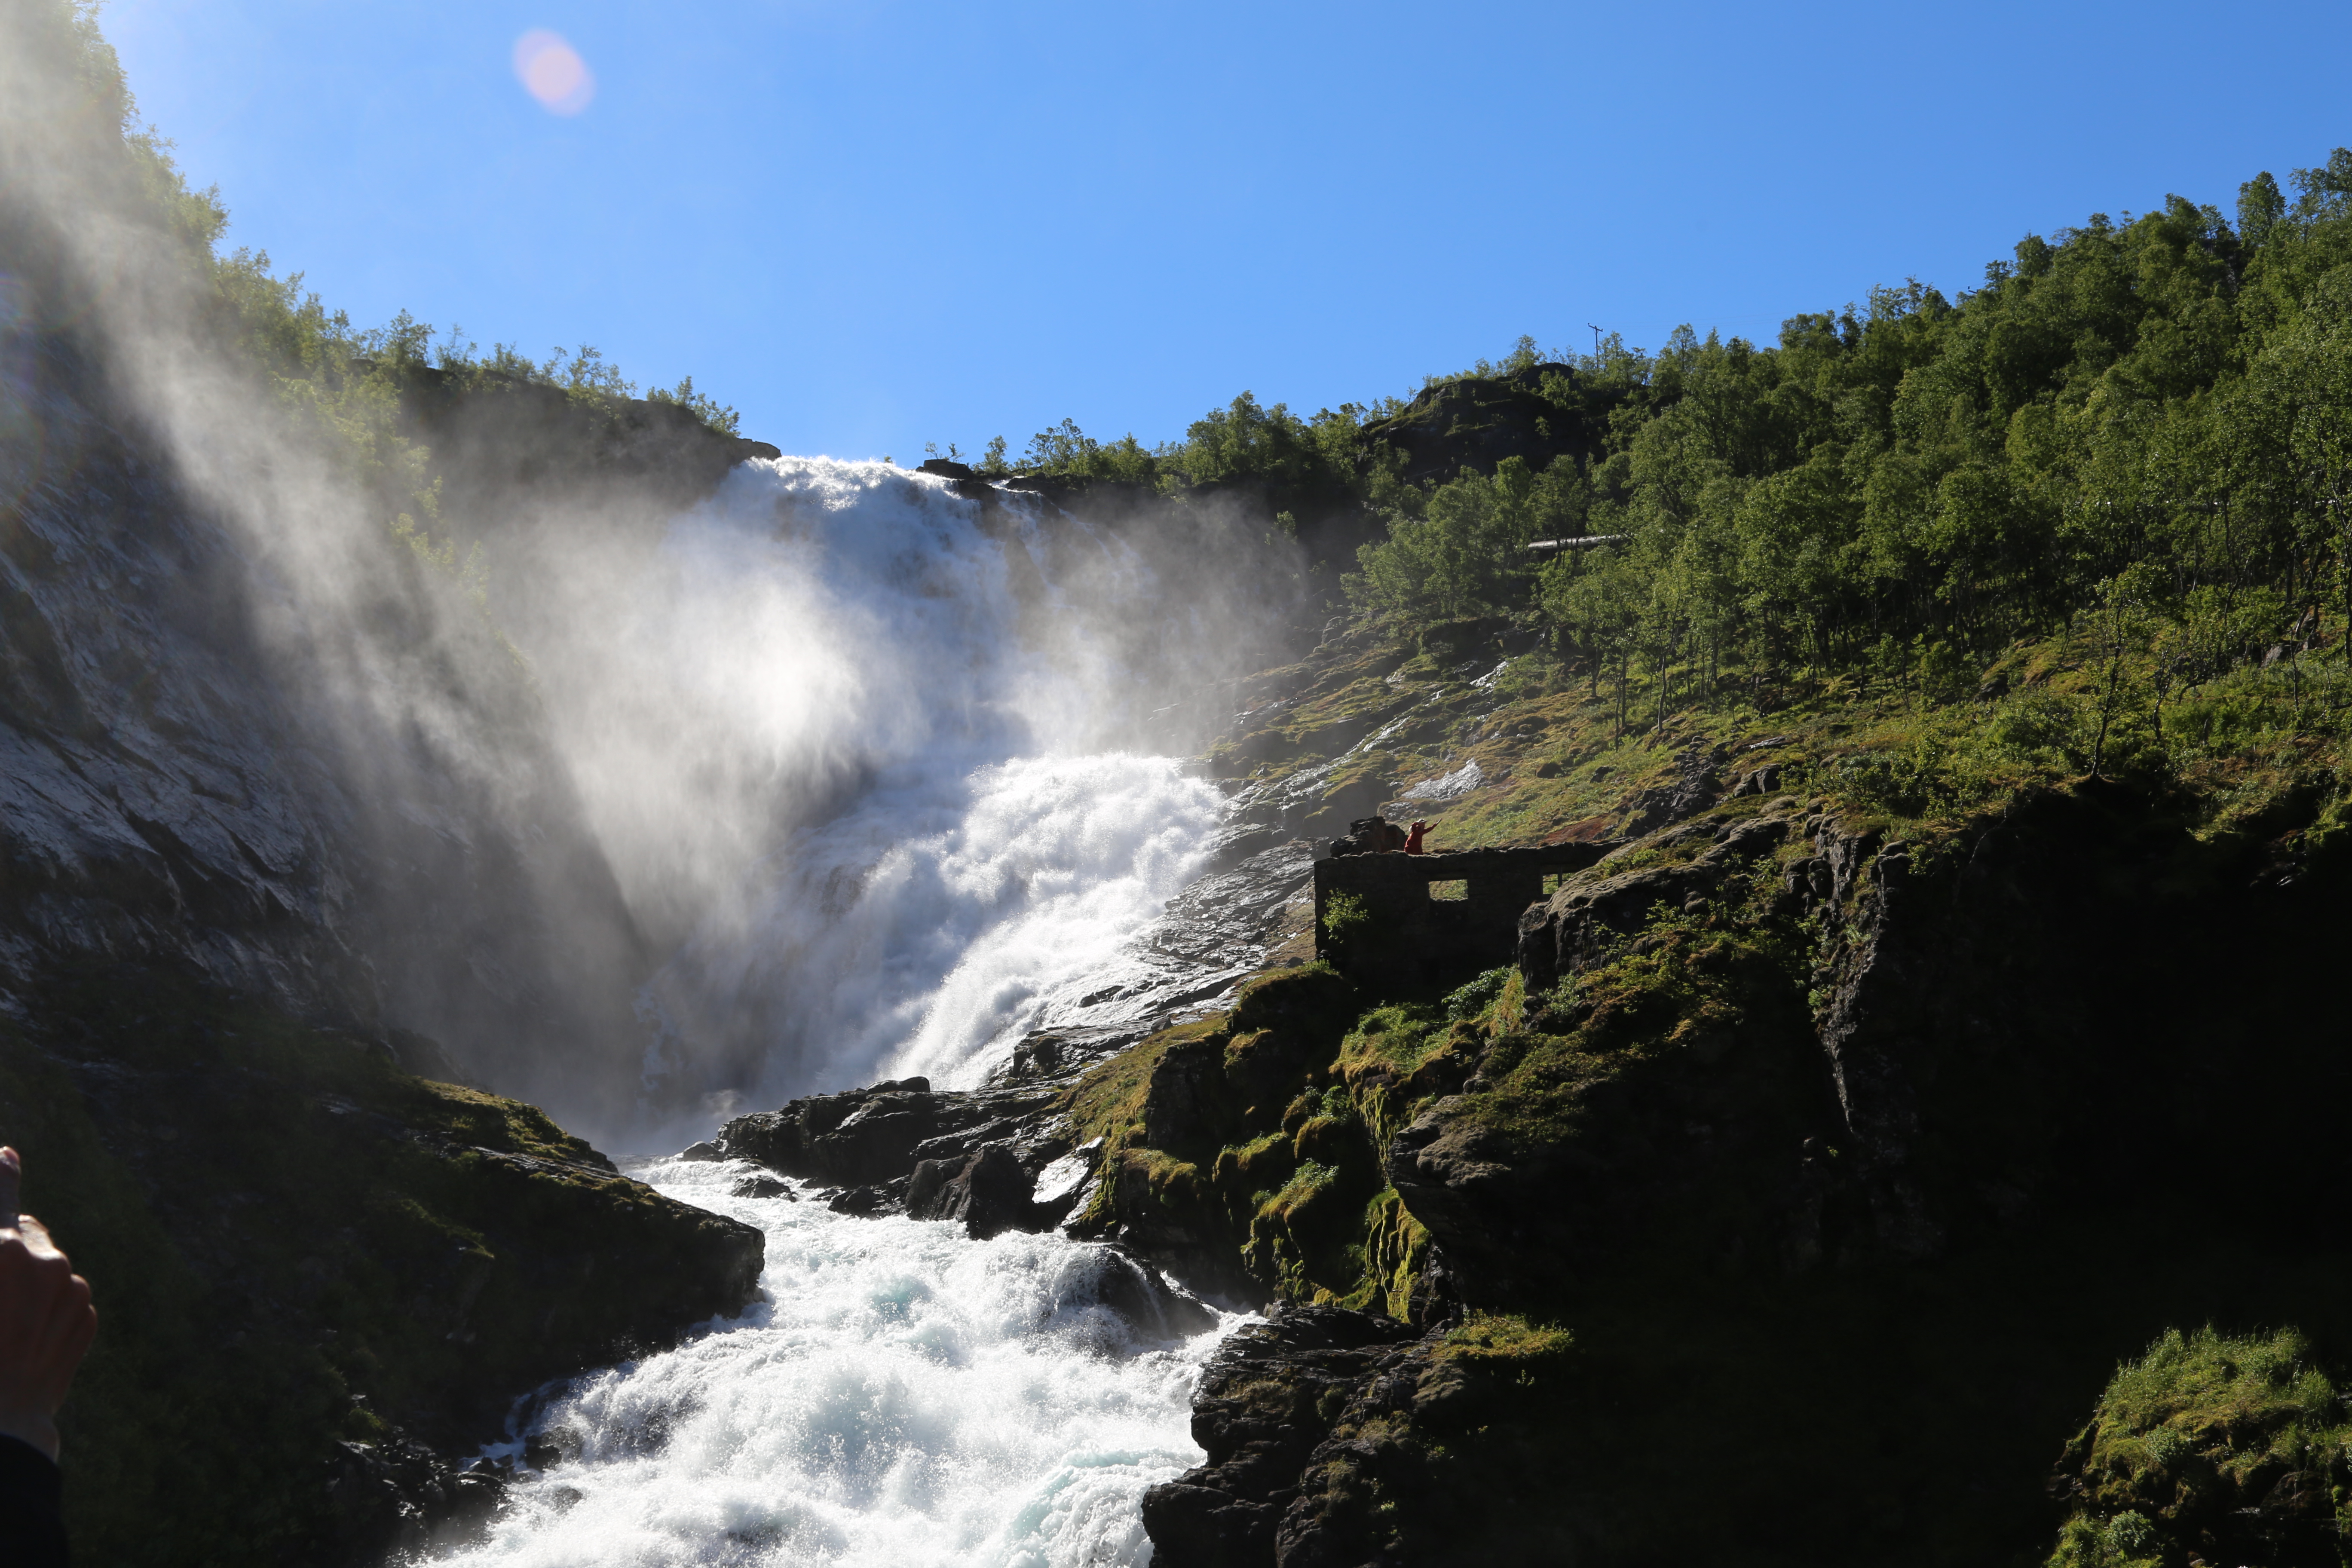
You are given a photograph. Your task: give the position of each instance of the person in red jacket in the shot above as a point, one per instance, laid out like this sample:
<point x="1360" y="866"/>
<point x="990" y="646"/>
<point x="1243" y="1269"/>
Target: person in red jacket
<point x="1413" y="844"/>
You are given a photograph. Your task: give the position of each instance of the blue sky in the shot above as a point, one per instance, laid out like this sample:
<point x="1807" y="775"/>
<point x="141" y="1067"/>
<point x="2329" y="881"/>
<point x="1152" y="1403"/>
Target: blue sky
<point x="870" y="225"/>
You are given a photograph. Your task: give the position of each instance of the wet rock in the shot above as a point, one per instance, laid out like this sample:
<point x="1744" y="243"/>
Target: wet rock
<point x="1039" y="1055"/>
<point x="1266" y="1399"/>
<point x="1142" y="1296"/>
<point x="868" y="1135"/>
<point x="1220" y="923"/>
<point x="704" y="1151"/>
<point x="866" y="1202"/>
<point x="1057" y="1056"/>
<point x="396" y="1497"/>
<point x="762" y="1186"/>
<point x="987" y="1191"/>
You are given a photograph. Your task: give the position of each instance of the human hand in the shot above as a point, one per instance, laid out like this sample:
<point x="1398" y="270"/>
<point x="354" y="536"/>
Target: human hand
<point x="45" y="1319"/>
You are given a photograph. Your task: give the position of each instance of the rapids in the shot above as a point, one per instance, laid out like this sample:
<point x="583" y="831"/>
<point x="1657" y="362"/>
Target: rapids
<point x="904" y="1398"/>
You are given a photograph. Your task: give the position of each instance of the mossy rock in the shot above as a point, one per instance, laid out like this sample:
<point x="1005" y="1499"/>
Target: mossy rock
<point x="2228" y="1449"/>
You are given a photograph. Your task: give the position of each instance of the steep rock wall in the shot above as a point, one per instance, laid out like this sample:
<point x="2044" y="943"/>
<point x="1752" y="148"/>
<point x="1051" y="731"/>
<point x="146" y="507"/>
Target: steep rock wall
<point x="1828" y="1156"/>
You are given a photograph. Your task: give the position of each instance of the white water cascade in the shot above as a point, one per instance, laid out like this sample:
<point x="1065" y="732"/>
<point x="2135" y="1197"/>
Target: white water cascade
<point x="904" y="1398"/>
<point x="866" y="755"/>
<point x="872" y="763"/>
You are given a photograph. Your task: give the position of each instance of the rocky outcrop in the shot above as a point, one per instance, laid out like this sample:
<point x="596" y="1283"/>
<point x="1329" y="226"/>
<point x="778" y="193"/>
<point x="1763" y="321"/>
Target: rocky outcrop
<point x="988" y="1191"/>
<point x="1694" y="789"/>
<point x="321" y="1279"/>
<point x="186" y="777"/>
<point x="868" y="1137"/>
<point x="2210" y="1449"/>
<point x="1476" y="421"/>
<point x="1341" y="1440"/>
<point x="500" y="442"/>
<point x="1594" y="913"/>
<point x="1267" y="1405"/>
<point x="1777" y="1064"/>
<point x="397" y="1495"/>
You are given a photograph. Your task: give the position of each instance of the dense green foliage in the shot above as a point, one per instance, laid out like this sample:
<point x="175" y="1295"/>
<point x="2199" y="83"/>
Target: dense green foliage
<point x="2156" y="413"/>
<point x="2148" y="420"/>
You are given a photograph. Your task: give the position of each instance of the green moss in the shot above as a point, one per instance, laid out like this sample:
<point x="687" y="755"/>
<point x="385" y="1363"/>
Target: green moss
<point x="1497" y="1339"/>
<point x="1106" y="1103"/>
<point x="1314" y="1000"/>
<point x="1395" y="1250"/>
<point x="1306" y="1238"/>
<point x="1245" y="1171"/>
<point x="1396" y="1036"/>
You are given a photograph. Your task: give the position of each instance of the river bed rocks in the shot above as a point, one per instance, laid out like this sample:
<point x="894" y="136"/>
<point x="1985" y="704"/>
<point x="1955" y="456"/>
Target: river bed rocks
<point x="1267" y="1399"/>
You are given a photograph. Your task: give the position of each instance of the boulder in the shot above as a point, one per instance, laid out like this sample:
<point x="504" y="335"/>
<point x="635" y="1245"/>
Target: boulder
<point x="988" y="1191"/>
<point x="1187" y="1088"/>
<point x="1597" y="908"/>
<point x="762" y="1186"/>
<point x="854" y="1138"/>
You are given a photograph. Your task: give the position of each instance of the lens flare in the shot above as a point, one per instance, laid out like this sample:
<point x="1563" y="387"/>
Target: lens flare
<point x="551" y="71"/>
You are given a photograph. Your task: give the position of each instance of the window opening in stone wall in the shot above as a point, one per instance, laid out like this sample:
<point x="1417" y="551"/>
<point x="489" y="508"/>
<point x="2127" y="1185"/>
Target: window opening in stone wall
<point x="1455" y="890"/>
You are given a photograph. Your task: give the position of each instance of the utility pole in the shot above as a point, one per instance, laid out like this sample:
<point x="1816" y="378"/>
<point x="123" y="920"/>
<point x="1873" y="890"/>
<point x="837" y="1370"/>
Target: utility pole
<point x="1596" y="341"/>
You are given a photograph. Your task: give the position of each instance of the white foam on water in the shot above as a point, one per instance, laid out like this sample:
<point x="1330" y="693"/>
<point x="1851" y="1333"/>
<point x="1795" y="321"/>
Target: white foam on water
<point x="928" y="927"/>
<point x="905" y="1398"/>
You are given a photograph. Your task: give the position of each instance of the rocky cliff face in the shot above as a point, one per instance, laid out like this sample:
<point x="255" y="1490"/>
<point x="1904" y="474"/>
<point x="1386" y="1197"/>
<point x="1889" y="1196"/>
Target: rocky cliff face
<point x="247" y="889"/>
<point x="179" y="791"/>
<point x="1788" y="1198"/>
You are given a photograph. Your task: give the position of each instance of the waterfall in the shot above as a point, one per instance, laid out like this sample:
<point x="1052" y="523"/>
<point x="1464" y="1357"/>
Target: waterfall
<point x="869" y="750"/>
<point x="867" y="753"/>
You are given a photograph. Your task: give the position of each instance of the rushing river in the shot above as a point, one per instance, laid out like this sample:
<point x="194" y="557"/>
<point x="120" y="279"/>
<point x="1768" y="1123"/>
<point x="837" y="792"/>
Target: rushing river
<point x="904" y="1398"/>
<point x="988" y="849"/>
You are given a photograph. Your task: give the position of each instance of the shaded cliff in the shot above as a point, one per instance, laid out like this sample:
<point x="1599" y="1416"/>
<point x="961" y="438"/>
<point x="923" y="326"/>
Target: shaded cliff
<point x="319" y="1278"/>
